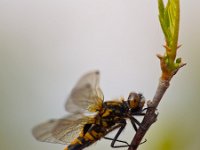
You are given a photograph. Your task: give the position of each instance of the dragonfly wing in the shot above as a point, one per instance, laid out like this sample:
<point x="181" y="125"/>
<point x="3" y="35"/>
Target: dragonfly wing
<point x="86" y="95"/>
<point x="43" y="132"/>
<point x="61" y="131"/>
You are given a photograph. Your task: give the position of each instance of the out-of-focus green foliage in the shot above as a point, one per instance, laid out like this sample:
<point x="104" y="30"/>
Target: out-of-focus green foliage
<point x="171" y="139"/>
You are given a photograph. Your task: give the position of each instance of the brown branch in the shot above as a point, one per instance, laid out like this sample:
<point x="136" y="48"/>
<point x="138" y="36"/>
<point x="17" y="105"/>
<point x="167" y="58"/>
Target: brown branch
<point x="169" y="17"/>
<point x="150" y="116"/>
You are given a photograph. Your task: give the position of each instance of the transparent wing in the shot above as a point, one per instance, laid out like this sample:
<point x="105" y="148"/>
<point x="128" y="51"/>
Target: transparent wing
<point x="86" y="95"/>
<point x="61" y="131"/>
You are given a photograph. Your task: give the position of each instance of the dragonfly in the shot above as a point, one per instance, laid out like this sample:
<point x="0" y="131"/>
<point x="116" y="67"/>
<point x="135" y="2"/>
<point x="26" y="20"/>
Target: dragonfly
<point x="91" y="118"/>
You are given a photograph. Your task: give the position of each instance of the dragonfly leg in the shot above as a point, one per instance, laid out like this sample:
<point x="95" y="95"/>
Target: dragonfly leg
<point x="134" y="122"/>
<point x="107" y="138"/>
<point x="121" y="125"/>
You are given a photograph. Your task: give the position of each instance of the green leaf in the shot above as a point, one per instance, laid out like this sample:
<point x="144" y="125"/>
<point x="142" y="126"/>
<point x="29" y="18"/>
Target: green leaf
<point x="169" y="21"/>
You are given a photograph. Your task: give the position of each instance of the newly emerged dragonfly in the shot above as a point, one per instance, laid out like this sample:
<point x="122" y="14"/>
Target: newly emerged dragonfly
<point x="79" y="130"/>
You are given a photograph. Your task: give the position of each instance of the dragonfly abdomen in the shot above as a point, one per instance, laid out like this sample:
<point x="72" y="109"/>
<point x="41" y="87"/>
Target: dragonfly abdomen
<point x="94" y="133"/>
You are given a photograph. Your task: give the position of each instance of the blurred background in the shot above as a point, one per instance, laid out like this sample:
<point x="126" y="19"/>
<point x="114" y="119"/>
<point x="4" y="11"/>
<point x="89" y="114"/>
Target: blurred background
<point x="46" y="45"/>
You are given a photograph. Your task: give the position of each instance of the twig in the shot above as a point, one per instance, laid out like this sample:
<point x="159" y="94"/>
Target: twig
<point x="169" y="17"/>
<point x="150" y="116"/>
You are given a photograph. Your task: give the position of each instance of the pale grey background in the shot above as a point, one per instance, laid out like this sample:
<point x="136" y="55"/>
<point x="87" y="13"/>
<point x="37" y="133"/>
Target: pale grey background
<point x="46" y="45"/>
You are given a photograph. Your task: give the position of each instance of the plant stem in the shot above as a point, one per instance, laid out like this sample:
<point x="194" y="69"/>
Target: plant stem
<point x="150" y="116"/>
<point x="169" y="19"/>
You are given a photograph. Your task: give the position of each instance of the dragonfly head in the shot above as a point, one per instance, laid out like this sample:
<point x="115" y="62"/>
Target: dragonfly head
<point x="135" y="102"/>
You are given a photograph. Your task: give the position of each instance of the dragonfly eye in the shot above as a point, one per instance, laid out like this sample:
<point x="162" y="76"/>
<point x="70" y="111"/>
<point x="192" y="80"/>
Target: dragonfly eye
<point x="133" y="100"/>
<point x="141" y="100"/>
<point x="136" y="100"/>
